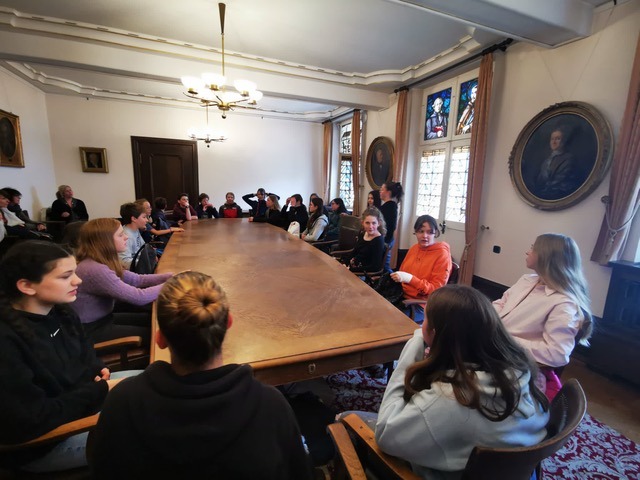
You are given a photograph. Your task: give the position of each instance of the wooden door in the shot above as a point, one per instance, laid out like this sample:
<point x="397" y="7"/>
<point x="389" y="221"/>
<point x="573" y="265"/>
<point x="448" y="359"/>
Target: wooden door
<point x="164" y="167"/>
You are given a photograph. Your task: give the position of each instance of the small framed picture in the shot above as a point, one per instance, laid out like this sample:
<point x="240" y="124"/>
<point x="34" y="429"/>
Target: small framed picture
<point x="380" y="161"/>
<point x="10" y="141"/>
<point x="94" y="160"/>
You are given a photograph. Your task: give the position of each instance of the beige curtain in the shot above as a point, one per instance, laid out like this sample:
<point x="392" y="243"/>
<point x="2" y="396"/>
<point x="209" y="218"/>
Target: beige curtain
<point x="400" y="160"/>
<point x="624" y="186"/>
<point x="355" y="160"/>
<point x="326" y="160"/>
<point x="477" y="152"/>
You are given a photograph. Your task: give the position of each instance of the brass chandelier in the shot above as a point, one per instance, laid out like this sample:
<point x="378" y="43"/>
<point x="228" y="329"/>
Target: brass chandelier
<point x="209" y="89"/>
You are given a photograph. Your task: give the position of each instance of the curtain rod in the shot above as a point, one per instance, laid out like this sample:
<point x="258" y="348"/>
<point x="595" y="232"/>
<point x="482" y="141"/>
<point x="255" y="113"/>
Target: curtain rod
<point x="498" y="46"/>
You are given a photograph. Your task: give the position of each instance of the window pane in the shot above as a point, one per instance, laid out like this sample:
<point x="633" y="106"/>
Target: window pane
<point x="457" y="191"/>
<point x="345" y="138"/>
<point x="346" y="181"/>
<point x="430" y="182"/>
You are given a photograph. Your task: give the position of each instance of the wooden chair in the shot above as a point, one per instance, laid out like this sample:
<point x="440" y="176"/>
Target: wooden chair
<point x="415" y="303"/>
<point x="126" y="353"/>
<point x="566" y="412"/>
<point x="58" y="434"/>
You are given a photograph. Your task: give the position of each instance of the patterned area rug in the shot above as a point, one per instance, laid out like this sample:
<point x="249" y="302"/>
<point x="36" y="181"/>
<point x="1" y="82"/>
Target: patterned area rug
<point x="594" y="452"/>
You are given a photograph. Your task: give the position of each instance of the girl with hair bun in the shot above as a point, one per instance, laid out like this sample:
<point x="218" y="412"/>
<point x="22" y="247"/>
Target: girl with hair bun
<point x="202" y="418"/>
<point x="48" y="370"/>
<point x="549" y="310"/>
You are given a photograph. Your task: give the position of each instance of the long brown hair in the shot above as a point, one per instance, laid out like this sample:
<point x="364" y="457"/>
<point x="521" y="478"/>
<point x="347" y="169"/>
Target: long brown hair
<point x="469" y="337"/>
<point x="96" y="243"/>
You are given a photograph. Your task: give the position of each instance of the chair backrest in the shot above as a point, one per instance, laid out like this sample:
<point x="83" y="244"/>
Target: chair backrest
<point x="71" y="234"/>
<point x="453" y="277"/>
<point x="566" y="412"/>
<point x="350" y="227"/>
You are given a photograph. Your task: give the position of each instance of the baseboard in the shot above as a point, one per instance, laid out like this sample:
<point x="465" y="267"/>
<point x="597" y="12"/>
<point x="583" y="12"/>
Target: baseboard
<point x="491" y="289"/>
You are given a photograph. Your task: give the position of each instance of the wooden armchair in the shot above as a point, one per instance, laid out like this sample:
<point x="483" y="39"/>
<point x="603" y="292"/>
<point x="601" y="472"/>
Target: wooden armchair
<point x="58" y="434"/>
<point x="566" y="412"/>
<point x="126" y="353"/>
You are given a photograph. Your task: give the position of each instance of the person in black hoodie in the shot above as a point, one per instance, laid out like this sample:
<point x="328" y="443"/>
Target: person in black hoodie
<point x="259" y="206"/>
<point x="297" y="212"/>
<point x="49" y="373"/>
<point x="196" y="417"/>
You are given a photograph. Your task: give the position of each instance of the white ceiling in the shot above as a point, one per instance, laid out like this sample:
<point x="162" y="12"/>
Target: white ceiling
<point x="312" y="58"/>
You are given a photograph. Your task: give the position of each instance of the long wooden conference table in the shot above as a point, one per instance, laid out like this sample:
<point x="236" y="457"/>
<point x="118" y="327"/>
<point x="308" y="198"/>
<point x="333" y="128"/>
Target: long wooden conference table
<point x="297" y="313"/>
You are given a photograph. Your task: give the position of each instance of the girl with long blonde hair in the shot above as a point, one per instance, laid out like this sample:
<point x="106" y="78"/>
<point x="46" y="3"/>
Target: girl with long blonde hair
<point x="549" y="310"/>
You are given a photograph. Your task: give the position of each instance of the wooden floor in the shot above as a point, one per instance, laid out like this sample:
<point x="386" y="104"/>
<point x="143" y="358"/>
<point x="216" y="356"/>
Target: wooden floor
<point x="614" y="402"/>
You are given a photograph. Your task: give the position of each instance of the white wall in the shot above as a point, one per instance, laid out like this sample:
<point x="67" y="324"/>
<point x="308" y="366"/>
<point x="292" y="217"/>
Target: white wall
<point x="279" y="155"/>
<point x="528" y="79"/>
<point x="35" y="180"/>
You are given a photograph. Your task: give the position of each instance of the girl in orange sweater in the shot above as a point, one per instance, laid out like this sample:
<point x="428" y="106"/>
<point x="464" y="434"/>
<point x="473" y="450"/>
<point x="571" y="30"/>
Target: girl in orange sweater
<point x="427" y="265"/>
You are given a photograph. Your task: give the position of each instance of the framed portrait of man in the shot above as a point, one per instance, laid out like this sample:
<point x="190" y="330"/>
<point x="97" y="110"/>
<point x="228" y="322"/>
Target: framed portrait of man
<point x="94" y="160"/>
<point x="436" y="125"/>
<point x="10" y="141"/>
<point x="561" y="155"/>
<point x="379" y="164"/>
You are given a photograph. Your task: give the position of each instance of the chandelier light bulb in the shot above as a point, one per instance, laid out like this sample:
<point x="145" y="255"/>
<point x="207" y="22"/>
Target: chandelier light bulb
<point x="213" y="81"/>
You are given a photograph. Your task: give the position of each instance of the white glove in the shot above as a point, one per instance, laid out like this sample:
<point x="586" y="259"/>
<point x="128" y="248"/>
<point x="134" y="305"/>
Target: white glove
<point x="402" y="277"/>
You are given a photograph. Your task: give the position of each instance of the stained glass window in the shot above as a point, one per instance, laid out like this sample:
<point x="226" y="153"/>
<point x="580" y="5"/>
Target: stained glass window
<point x="466" y="106"/>
<point x="437" y="117"/>
<point x="346" y="181"/>
<point x="457" y="189"/>
<point x="345" y="184"/>
<point x="430" y="182"/>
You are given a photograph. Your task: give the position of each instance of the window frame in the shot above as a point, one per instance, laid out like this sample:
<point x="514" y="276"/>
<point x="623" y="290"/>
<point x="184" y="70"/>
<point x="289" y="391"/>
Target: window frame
<point x="448" y="142"/>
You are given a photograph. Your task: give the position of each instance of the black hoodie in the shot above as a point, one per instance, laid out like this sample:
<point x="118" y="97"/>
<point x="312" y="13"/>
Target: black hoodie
<point x="219" y="423"/>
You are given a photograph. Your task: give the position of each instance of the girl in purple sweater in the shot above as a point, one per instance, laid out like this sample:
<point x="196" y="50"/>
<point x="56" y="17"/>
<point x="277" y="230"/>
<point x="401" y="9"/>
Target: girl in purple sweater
<point x="104" y="281"/>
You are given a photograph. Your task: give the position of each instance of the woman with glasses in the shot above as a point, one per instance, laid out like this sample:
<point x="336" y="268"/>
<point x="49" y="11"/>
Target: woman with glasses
<point x="427" y="265"/>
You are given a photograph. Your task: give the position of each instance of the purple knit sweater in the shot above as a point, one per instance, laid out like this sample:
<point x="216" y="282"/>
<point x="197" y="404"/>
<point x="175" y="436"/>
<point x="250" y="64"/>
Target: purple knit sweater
<point x="101" y="287"/>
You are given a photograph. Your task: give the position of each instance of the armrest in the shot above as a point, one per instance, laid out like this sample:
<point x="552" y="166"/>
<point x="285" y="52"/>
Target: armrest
<point x="340" y="253"/>
<point x="356" y="426"/>
<point x="414" y="301"/>
<point x="346" y="451"/>
<point x="123" y="342"/>
<point x="322" y="243"/>
<point x="57" y="434"/>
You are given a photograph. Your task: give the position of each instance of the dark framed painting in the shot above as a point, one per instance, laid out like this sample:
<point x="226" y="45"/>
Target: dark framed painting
<point x="94" y="160"/>
<point x="380" y="161"/>
<point x="437" y="115"/>
<point x="10" y="141"/>
<point x="561" y="156"/>
<point x="466" y="106"/>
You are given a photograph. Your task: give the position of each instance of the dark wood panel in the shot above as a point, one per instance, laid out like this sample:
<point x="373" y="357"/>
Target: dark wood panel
<point x="165" y="168"/>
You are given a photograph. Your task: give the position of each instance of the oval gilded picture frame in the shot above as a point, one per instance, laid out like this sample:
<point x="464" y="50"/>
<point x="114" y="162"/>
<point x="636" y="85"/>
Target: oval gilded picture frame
<point x="380" y="161"/>
<point x="561" y="156"/>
